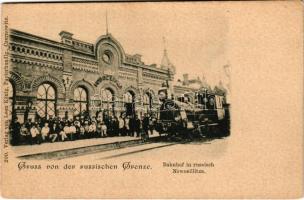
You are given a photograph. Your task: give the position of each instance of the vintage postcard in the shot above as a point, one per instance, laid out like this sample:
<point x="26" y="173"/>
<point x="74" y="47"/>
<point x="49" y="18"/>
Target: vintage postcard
<point x="152" y="100"/>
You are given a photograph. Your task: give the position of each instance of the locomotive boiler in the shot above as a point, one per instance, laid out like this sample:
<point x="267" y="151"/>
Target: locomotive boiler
<point x="203" y="117"/>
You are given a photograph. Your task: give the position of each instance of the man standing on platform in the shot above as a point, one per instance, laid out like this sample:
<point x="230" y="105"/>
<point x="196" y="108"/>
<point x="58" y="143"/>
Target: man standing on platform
<point x="146" y="122"/>
<point x="115" y="126"/>
<point x="132" y="126"/>
<point x="121" y="125"/>
<point x="137" y="126"/>
<point x="15" y="130"/>
<point x="127" y="126"/>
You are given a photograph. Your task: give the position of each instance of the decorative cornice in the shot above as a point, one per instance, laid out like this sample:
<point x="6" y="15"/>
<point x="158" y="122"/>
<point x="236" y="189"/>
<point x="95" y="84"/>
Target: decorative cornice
<point x="35" y="38"/>
<point x="84" y="67"/>
<point x="39" y="63"/>
<point x="85" y="61"/>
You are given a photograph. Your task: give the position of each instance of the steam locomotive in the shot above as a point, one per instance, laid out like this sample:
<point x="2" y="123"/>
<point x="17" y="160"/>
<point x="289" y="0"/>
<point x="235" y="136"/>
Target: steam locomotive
<point x="205" y="116"/>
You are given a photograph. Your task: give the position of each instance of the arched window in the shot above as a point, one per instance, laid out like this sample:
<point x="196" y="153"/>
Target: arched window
<point x="128" y="97"/>
<point x="108" y="101"/>
<point x="11" y="100"/>
<point x="80" y="100"/>
<point x="147" y="102"/>
<point x="46" y="100"/>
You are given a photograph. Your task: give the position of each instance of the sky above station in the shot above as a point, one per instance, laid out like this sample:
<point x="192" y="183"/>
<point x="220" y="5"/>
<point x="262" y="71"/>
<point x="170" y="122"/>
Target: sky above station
<point x="195" y="33"/>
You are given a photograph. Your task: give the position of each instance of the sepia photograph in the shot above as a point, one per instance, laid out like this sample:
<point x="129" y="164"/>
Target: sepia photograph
<point x="87" y="94"/>
<point x="152" y="100"/>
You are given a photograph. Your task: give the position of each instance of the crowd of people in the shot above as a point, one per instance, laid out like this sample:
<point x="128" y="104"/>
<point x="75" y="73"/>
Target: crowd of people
<point x="60" y="129"/>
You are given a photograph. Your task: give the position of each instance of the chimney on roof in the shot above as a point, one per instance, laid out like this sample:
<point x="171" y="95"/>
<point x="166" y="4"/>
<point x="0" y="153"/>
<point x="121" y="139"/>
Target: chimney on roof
<point x="66" y="37"/>
<point x="137" y="58"/>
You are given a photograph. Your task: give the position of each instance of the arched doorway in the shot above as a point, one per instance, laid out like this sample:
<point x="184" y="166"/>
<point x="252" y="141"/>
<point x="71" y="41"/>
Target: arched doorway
<point x="147" y="102"/>
<point x="129" y="103"/>
<point x="107" y="105"/>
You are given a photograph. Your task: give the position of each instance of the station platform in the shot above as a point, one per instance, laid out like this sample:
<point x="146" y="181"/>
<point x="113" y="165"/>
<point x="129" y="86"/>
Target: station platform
<point x="60" y="150"/>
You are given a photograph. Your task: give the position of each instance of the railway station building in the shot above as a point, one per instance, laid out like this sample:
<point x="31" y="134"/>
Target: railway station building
<point x="71" y="77"/>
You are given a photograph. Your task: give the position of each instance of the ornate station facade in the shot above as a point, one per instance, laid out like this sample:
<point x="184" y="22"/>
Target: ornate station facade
<point x="72" y="77"/>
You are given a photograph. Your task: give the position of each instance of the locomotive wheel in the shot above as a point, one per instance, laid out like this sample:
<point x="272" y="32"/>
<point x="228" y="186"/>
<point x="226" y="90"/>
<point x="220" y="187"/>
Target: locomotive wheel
<point x="217" y="132"/>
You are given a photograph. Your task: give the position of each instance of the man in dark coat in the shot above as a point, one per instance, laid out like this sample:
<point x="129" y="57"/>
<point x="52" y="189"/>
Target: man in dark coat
<point x="15" y="131"/>
<point x="146" y="122"/>
<point x="137" y="126"/>
<point x="54" y="131"/>
<point x="132" y="126"/>
<point x="29" y="124"/>
<point x="107" y="122"/>
<point x="115" y="123"/>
